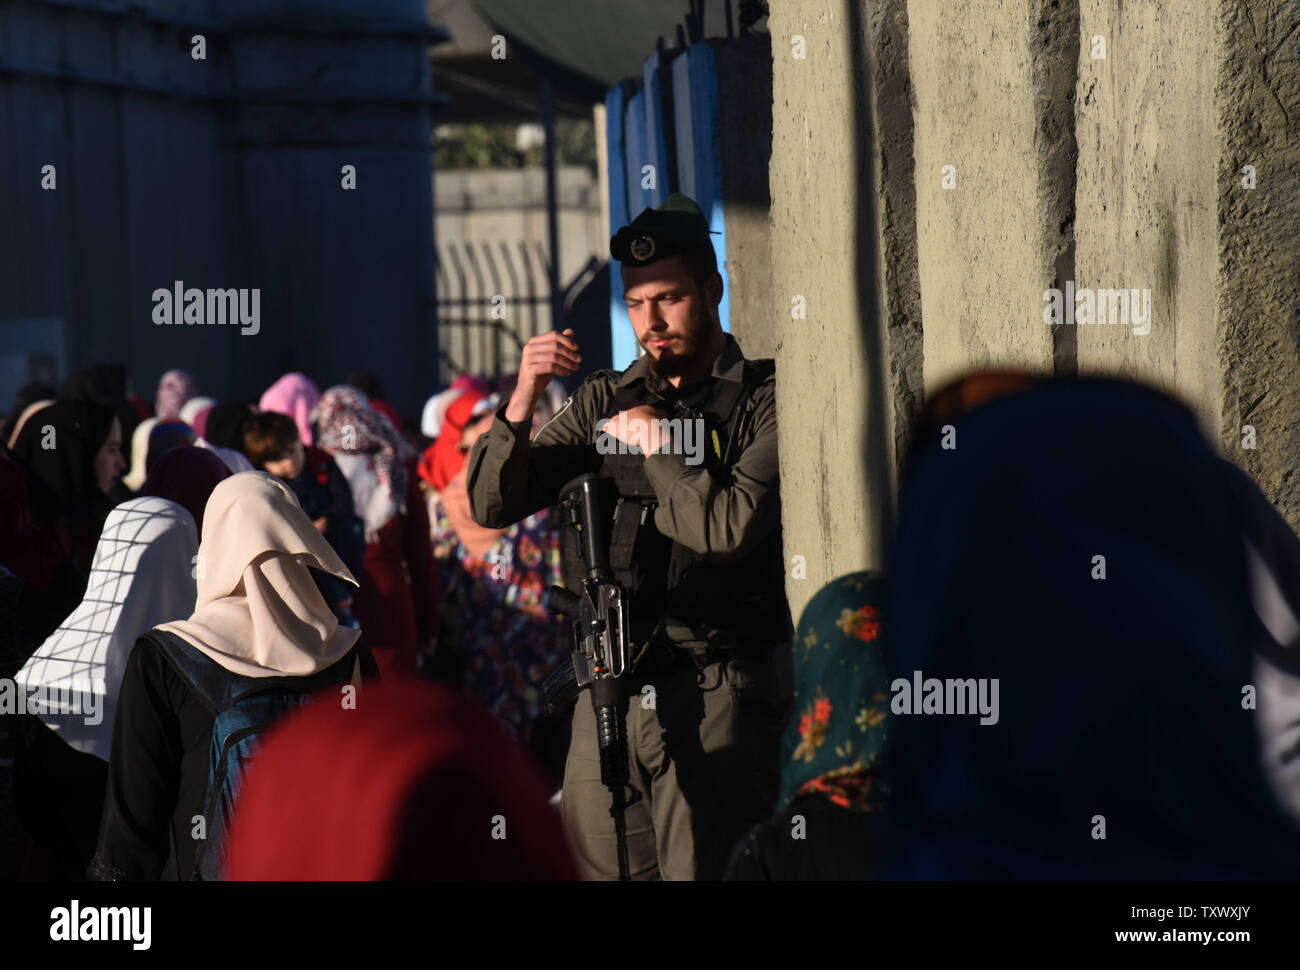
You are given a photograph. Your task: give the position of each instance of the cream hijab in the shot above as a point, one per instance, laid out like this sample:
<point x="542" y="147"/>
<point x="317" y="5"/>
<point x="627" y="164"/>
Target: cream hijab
<point x="258" y="612"/>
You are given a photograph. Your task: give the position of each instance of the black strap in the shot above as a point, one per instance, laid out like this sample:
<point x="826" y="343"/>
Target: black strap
<point x="756" y="372"/>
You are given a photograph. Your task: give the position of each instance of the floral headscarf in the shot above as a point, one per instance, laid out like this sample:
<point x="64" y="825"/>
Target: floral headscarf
<point x="834" y="743"/>
<point x="350" y="426"/>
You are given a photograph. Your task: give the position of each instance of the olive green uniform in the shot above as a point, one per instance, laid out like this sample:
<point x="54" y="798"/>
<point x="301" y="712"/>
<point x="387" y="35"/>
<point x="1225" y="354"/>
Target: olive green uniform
<point x="703" y="730"/>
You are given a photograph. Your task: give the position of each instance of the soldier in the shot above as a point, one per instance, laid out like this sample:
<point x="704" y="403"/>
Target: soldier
<point x="695" y="536"/>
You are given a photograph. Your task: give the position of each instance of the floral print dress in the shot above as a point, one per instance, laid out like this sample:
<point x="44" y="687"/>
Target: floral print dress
<point x="507" y="638"/>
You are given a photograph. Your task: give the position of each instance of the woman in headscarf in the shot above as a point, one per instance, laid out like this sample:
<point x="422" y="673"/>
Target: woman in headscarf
<point x="368" y="383"/>
<point x="195" y="413"/>
<point x="1069" y="561"/>
<point x="43" y="584"/>
<point x="447" y="455"/>
<point x="174" y="389"/>
<point x="135" y="477"/>
<point x="104" y="384"/>
<point x="72" y="453"/>
<point x="435" y="409"/>
<point x="495" y="585"/>
<point x="223" y="434"/>
<point x="832" y="793"/>
<point x="20" y="421"/>
<point x="142" y="576"/>
<point x="409" y="786"/>
<point x="295" y="395"/>
<point x="187" y="476"/>
<point x="31" y="397"/>
<point x="165" y="436"/>
<point x="258" y="614"/>
<point x="397" y="602"/>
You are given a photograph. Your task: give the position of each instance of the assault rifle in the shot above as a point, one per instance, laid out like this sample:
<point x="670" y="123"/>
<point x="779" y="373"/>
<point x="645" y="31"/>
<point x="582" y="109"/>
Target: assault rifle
<point x="601" y="651"/>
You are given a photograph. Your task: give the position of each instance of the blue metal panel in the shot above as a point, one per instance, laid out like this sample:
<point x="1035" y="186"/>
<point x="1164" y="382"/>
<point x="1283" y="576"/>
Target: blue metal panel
<point x="682" y="122"/>
<point x="635" y="134"/>
<point x="656" y="87"/>
<point x="623" y="346"/>
<point x="707" y="157"/>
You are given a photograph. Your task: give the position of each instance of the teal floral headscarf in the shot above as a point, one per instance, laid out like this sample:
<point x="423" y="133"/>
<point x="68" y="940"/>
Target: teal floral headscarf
<point x="834" y="742"/>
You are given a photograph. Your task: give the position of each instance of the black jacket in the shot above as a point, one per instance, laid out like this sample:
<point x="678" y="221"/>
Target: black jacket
<point x="158" y="774"/>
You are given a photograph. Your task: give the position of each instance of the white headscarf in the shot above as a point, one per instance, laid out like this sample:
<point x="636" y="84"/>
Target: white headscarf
<point x="258" y="611"/>
<point x="134" y="479"/>
<point x="435" y="411"/>
<point x="141" y="576"/>
<point x="236" y="461"/>
<point x="194" y="406"/>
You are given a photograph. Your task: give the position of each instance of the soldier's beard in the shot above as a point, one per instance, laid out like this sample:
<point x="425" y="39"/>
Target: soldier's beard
<point x="677" y="359"/>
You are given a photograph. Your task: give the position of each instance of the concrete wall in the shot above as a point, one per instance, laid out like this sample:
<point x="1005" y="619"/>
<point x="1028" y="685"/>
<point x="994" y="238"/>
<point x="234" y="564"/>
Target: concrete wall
<point x="1183" y="100"/>
<point x="1148" y="168"/>
<point x="989" y="97"/>
<point x="1071" y="169"/>
<point x="1257" y="269"/>
<point x="832" y="398"/>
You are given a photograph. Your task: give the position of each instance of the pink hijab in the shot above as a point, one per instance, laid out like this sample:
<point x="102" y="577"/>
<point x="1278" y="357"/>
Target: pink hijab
<point x="295" y="395"/>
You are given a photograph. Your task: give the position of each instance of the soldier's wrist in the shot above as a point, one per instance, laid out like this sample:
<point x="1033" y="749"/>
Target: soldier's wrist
<point x="519" y="408"/>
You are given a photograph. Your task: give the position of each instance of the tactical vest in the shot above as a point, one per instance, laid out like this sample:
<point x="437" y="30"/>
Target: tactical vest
<point x="675" y="595"/>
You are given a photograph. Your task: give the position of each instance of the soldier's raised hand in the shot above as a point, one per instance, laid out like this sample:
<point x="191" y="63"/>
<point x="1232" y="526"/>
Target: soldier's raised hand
<point x="545" y="357"/>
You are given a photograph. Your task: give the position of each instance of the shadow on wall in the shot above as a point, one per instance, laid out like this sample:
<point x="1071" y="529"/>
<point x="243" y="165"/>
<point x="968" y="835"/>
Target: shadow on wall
<point x="876" y="443"/>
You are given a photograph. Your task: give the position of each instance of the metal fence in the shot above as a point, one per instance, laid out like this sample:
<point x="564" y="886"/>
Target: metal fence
<point x="492" y="298"/>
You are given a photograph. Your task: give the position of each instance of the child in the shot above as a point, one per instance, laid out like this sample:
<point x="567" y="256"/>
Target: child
<point x="272" y="444"/>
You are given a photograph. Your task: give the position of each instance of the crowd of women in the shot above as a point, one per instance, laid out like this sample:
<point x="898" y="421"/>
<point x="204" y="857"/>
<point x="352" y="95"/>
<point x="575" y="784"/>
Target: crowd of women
<point x="1079" y="542"/>
<point x="121" y="518"/>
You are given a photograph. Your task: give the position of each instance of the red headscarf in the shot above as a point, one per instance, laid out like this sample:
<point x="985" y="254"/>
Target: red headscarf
<point x="414" y="783"/>
<point x="186" y="475"/>
<point x="443" y="459"/>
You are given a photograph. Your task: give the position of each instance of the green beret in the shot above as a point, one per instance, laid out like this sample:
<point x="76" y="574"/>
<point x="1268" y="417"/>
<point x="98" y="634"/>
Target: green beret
<point x="675" y="227"/>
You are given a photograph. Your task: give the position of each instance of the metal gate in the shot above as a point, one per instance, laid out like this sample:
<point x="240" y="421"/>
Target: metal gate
<point x="492" y="298"/>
